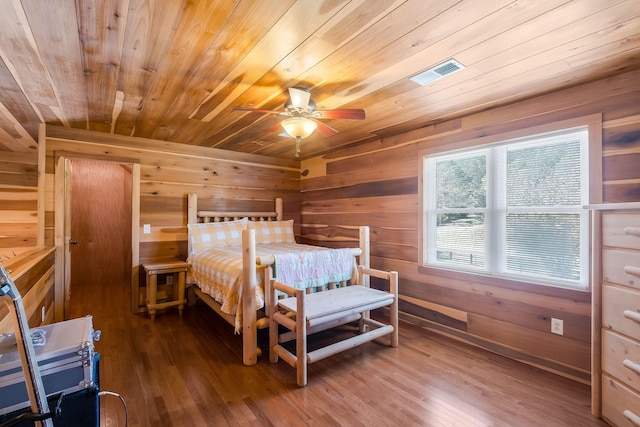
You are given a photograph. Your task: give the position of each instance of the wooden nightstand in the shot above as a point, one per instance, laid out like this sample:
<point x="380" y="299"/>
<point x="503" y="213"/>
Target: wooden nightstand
<point x="177" y="269"/>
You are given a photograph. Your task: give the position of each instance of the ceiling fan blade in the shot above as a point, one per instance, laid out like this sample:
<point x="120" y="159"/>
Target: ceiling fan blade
<point x="277" y="128"/>
<point x="352" y="113"/>
<point x="324" y="129"/>
<point x="256" y="110"/>
<point x="299" y="97"/>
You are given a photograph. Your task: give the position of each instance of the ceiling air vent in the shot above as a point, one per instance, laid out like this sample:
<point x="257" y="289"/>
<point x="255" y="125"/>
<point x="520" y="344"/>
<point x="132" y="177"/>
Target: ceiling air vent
<point x="437" y="72"/>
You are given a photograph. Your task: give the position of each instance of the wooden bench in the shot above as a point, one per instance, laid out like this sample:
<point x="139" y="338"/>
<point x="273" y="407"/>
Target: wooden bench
<point x="303" y="314"/>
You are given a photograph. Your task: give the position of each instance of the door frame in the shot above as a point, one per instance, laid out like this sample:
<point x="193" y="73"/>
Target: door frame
<point x="62" y="225"/>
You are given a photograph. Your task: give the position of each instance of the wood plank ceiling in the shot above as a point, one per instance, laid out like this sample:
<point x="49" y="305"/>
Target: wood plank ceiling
<point x="173" y="69"/>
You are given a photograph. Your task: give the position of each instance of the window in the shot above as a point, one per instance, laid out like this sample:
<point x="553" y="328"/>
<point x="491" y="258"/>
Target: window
<point x="512" y="209"/>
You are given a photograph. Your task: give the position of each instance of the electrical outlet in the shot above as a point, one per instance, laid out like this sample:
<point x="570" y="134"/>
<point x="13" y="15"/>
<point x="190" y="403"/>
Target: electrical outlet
<point x="170" y="279"/>
<point x="146" y="229"/>
<point x="557" y="326"/>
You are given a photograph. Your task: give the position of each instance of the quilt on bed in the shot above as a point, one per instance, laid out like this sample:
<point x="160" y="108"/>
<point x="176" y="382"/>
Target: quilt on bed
<point x="218" y="271"/>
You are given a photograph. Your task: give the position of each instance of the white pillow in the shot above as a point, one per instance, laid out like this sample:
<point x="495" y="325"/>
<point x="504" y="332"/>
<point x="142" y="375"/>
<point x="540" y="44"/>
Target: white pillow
<point x="216" y="234"/>
<point x="268" y="232"/>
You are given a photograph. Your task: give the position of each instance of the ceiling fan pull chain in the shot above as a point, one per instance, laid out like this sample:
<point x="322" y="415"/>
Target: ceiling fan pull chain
<point x="298" y="146"/>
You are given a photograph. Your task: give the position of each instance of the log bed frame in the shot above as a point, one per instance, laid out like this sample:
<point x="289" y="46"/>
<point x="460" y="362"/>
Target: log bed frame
<point x="251" y="266"/>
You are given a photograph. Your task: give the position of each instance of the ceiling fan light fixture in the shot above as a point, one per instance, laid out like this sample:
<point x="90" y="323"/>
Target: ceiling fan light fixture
<point x="299" y="127"/>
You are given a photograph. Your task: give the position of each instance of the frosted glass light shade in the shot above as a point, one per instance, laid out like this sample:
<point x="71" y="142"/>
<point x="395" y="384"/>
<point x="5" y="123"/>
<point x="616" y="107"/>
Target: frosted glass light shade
<point x="299" y="127"/>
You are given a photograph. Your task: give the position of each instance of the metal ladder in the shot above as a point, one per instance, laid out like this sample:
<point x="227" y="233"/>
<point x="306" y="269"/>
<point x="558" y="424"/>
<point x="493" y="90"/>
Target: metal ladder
<point x="40" y="413"/>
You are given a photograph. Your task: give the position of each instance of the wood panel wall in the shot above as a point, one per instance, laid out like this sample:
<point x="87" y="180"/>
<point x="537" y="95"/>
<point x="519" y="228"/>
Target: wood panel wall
<point x="18" y="202"/>
<point x="378" y="184"/>
<point x="31" y="267"/>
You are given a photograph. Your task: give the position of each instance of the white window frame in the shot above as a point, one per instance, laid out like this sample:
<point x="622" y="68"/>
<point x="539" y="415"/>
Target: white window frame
<point x="591" y="193"/>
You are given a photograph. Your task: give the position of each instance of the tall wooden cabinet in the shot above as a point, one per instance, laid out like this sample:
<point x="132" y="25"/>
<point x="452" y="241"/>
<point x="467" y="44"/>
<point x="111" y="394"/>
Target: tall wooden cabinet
<point x="616" y="370"/>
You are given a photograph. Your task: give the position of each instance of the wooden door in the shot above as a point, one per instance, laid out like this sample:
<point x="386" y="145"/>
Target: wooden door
<point x="99" y="226"/>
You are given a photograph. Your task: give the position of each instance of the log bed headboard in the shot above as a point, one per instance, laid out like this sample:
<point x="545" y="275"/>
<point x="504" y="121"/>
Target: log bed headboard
<point x="195" y="216"/>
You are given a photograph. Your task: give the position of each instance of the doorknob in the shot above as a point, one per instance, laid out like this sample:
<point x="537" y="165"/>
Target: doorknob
<point x="73" y="242"/>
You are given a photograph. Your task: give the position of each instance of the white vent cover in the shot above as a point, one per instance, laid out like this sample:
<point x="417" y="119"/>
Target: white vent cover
<point x="437" y="72"/>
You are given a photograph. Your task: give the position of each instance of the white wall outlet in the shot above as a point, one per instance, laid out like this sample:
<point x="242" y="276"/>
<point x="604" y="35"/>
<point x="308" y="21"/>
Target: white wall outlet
<point x="146" y="228"/>
<point x="557" y="326"/>
<point x="170" y="279"/>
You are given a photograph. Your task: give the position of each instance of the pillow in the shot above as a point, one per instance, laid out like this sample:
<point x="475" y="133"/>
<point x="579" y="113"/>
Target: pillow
<point x="216" y="234"/>
<point x="268" y="232"/>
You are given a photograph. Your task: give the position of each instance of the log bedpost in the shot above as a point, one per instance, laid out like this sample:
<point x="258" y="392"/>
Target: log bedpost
<point x="364" y="257"/>
<point x="248" y="298"/>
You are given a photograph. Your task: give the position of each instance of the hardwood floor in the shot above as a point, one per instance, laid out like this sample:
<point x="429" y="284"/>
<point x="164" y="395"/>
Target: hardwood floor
<point x="188" y="372"/>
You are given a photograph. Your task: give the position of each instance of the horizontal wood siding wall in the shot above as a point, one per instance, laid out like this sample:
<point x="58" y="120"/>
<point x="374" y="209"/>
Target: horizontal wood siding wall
<point x="32" y="271"/>
<point x="18" y="202"/>
<point x="168" y="172"/>
<point x="377" y="184"/>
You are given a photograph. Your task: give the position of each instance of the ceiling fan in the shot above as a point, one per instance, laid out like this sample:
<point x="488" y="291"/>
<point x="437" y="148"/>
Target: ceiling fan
<point x="303" y="117"/>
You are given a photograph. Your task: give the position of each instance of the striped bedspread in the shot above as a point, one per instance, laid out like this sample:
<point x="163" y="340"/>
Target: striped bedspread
<point x="218" y="272"/>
